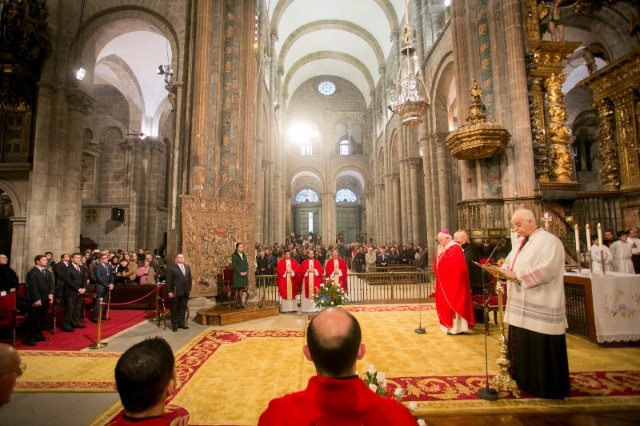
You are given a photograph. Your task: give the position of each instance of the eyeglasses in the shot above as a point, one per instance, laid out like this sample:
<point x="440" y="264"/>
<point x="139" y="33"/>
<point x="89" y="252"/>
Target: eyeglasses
<point x="19" y="372"/>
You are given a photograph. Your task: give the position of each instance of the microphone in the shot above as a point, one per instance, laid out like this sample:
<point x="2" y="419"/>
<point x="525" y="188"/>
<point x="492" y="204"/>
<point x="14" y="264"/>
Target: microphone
<point x="487" y="393"/>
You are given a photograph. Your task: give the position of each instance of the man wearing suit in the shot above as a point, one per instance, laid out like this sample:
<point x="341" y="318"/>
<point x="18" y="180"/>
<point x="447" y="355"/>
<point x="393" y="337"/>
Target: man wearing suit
<point x="383" y="259"/>
<point x="104" y="283"/>
<point x="74" y="281"/>
<point x="39" y="295"/>
<point x="179" y="287"/>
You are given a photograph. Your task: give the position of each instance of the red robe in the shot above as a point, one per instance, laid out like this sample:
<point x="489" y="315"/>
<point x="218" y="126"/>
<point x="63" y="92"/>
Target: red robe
<point x="342" y="266"/>
<point x="335" y="402"/>
<point x="453" y="293"/>
<point x="281" y="279"/>
<point x="309" y="287"/>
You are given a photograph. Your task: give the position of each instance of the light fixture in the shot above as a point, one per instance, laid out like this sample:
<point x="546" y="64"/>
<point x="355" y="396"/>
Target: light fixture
<point x="412" y="101"/>
<point x="140" y="135"/>
<point x="167" y="71"/>
<point x="80" y="72"/>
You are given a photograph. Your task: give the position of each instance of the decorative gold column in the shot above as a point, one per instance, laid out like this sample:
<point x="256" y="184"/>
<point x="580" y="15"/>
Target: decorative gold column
<point x="548" y="114"/>
<point x="615" y="89"/>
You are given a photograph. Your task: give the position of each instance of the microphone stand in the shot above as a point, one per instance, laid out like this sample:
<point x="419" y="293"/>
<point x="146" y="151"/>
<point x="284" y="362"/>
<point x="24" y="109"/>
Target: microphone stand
<point x="420" y="329"/>
<point x="487" y="393"/>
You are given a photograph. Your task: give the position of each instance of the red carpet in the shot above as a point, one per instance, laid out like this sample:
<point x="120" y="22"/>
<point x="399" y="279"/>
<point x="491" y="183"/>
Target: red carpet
<point x="81" y="338"/>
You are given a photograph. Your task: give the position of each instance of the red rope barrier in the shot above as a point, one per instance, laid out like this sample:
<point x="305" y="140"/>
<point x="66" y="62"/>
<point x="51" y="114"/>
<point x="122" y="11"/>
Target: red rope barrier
<point x="134" y="301"/>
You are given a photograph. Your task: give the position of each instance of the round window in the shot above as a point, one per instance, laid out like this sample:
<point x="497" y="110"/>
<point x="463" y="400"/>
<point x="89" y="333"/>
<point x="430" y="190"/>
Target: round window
<point x="327" y="88"/>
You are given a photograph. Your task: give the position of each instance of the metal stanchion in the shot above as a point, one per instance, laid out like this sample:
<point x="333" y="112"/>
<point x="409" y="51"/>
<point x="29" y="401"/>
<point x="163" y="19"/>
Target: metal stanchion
<point x="108" y="305"/>
<point x="99" y="344"/>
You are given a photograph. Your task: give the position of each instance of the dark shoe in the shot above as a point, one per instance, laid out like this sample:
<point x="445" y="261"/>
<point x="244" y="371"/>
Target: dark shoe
<point x="79" y="326"/>
<point x="30" y="342"/>
<point x="186" y="327"/>
<point x="67" y="329"/>
<point x="42" y="339"/>
<point x="175" y="329"/>
<point x="95" y="321"/>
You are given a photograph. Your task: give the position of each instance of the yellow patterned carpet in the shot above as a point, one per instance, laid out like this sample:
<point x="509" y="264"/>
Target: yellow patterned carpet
<point x="229" y="376"/>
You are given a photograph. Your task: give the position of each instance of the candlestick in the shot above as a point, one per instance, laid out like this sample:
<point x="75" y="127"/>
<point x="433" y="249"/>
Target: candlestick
<point x="600" y="235"/>
<point x="577" y="242"/>
<point x="588" y="235"/>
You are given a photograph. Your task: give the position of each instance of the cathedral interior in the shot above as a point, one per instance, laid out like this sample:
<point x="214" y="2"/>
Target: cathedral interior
<point x="189" y="125"/>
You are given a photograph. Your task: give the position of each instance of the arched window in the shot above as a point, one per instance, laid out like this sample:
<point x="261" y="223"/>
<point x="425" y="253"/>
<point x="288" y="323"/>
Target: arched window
<point x="346" y="196"/>
<point x="307" y="196"/>
<point x="344" y="147"/>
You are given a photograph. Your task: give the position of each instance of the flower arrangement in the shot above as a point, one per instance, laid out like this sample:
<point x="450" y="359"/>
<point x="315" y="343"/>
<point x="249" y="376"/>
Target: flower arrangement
<point x="329" y="295"/>
<point x="377" y="382"/>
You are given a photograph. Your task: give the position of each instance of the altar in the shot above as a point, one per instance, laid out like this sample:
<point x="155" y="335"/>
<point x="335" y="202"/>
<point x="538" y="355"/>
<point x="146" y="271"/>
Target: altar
<point x="604" y="308"/>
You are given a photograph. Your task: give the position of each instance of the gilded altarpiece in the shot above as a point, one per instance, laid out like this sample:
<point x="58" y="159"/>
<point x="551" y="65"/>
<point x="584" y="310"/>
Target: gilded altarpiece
<point x="210" y="229"/>
<point x="616" y="96"/>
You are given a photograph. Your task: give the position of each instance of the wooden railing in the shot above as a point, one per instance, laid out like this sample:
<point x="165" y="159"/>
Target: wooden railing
<point x="370" y="287"/>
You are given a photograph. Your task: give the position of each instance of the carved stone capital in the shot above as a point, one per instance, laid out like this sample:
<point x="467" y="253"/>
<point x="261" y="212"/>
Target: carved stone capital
<point x="414" y="162"/>
<point x="77" y="100"/>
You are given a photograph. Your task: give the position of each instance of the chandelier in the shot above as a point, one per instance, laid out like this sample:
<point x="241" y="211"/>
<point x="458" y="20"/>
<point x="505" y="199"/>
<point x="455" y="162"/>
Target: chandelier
<point x="412" y="101"/>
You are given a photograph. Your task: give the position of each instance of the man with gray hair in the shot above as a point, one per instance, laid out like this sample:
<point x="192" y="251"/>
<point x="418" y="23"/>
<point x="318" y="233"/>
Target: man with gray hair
<point x="536" y="310"/>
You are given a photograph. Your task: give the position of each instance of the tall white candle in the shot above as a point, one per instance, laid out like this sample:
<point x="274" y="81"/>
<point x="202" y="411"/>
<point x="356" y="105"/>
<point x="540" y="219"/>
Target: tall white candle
<point x="577" y="240"/>
<point x="587" y="231"/>
<point x="600" y="236"/>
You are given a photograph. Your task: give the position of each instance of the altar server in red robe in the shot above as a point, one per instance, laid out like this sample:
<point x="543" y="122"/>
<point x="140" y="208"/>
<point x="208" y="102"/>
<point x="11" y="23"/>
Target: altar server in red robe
<point x="336" y="269"/>
<point x="453" y="293"/>
<point x="311" y="272"/>
<point x="335" y="395"/>
<point x="287" y="280"/>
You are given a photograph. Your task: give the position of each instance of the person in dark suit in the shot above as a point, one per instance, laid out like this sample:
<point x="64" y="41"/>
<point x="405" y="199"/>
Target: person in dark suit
<point x="74" y="279"/>
<point x="179" y="287"/>
<point x="383" y="259"/>
<point x="262" y="263"/>
<point x="240" y="267"/>
<point x="40" y="294"/>
<point x="104" y="282"/>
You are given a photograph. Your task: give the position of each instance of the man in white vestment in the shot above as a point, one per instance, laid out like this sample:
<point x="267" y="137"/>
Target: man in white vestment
<point x="600" y="255"/>
<point x="621" y="251"/>
<point x="536" y="310"/>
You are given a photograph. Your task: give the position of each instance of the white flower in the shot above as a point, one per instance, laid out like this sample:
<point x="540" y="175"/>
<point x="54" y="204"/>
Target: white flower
<point x="422" y="422"/>
<point x="383" y="382"/>
<point x="372" y="369"/>
<point x="373" y="387"/>
<point x="382" y="377"/>
<point x="413" y="406"/>
<point x="398" y="392"/>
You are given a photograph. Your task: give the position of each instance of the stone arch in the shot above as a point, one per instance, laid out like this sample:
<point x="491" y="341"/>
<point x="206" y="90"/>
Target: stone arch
<point x="441" y="94"/>
<point x="352" y="60"/>
<point x="395" y="152"/>
<point x="335" y="25"/>
<point x="127" y="84"/>
<point x="306" y="177"/>
<point x="18" y="204"/>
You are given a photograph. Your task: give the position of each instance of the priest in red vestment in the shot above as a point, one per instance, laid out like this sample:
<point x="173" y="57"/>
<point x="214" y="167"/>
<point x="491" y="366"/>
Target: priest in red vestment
<point x="287" y="280"/>
<point x="453" y="292"/>
<point x="336" y="269"/>
<point x="336" y="395"/>
<point x="311" y="274"/>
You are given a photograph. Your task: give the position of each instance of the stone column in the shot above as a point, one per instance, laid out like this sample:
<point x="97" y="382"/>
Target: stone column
<point x="388" y="208"/>
<point x="18" y="232"/>
<point x="268" y="202"/>
<point x="414" y="163"/>
<point x="408" y="219"/>
<point x="278" y="234"/>
<point x="402" y="205"/>
<point x="397" y="229"/>
<point x="442" y="160"/>
<point x="379" y="226"/>
<point x="428" y="188"/>
<point x="520" y="127"/>
<point x="70" y="201"/>
<point x="259" y="192"/>
<point x="202" y="133"/>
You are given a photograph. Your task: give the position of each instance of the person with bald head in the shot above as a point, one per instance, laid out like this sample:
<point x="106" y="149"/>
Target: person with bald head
<point x="453" y="292"/>
<point x="336" y="395"/>
<point x="11" y="368"/>
<point x="536" y="311"/>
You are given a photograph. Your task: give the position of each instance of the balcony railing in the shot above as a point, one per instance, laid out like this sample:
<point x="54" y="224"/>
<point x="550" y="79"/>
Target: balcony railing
<point x="370" y="287"/>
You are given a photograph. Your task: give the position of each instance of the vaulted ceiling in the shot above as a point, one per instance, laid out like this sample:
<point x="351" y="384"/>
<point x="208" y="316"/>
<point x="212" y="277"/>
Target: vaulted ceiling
<point x="345" y="38"/>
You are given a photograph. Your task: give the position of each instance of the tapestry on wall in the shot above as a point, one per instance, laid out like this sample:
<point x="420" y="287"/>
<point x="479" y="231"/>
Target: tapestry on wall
<point x="210" y="229"/>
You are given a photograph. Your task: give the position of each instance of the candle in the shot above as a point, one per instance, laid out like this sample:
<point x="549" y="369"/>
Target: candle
<point x="588" y="234"/>
<point x="600" y="236"/>
<point x="577" y="241"/>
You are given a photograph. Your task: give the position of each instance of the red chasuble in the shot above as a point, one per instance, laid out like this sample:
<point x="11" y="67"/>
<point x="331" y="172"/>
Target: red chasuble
<point x="336" y="402"/>
<point x="310" y="281"/>
<point x="453" y="293"/>
<point x="341" y="266"/>
<point x="288" y="284"/>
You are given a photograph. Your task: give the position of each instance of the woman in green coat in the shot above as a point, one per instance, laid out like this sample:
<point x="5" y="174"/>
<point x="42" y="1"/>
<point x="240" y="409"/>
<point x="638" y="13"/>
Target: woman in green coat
<point x="240" y="267"/>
